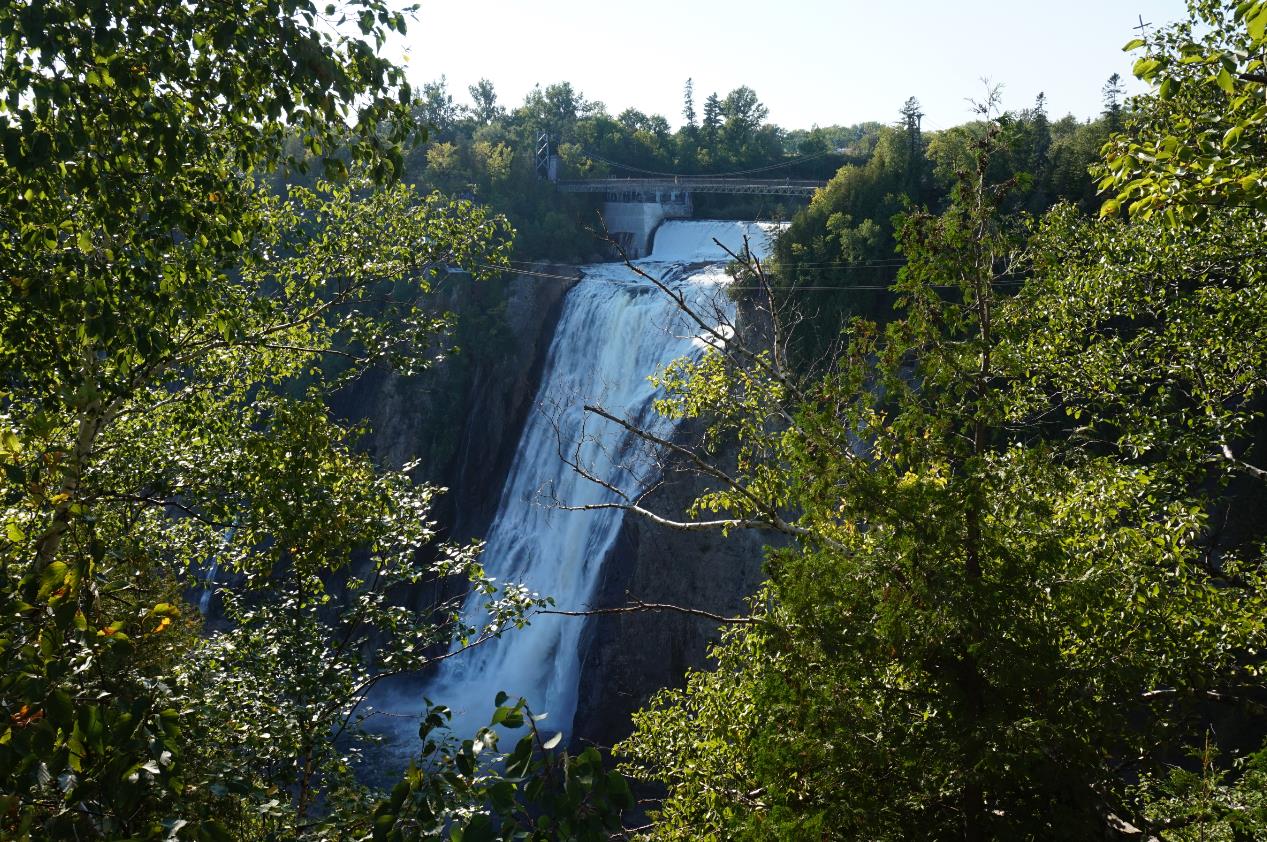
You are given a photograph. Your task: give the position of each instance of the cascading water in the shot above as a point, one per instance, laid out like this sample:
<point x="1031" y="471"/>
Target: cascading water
<point x="615" y="330"/>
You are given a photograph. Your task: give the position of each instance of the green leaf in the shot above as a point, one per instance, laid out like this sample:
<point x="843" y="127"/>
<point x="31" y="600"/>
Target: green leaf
<point x="1257" y="23"/>
<point x="1145" y="68"/>
<point x="1224" y="81"/>
<point x="478" y="829"/>
<point x="214" y="831"/>
<point x="511" y="717"/>
<point x="53" y="578"/>
<point x="60" y="707"/>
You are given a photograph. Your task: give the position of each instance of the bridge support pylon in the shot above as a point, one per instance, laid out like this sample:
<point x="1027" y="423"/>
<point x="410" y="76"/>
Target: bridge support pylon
<point x="548" y="162"/>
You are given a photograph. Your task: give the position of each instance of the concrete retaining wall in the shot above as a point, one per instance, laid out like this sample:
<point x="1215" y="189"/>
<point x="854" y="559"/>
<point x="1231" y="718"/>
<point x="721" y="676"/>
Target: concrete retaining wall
<point x="633" y="224"/>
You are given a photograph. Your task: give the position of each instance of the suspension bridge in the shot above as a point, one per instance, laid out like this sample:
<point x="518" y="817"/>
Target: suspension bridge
<point x="638" y="189"/>
<point x="634" y="206"/>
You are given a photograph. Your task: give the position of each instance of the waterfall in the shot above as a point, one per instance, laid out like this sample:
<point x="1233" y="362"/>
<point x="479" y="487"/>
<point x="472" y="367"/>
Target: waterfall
<point x="208" y="587"/>
<point x="614" y="331"/>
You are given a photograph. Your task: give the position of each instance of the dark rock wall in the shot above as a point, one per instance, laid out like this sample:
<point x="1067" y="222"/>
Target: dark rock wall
<point x="627" y="657"/>
<point x="462" y="418"/>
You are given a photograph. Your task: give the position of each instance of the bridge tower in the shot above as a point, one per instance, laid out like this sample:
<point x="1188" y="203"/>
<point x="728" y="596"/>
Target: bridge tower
<point x="547" y="161"/>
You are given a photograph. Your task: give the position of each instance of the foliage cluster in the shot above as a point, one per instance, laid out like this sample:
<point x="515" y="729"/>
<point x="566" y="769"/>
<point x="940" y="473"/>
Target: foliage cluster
<point x="1023" y="592"/>
<point x="838" y="259"/>
<point x="167" y="325"/>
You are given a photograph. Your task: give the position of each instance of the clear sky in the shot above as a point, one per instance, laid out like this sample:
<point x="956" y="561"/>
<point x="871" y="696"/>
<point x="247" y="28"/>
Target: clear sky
<point x="811" y="61"/>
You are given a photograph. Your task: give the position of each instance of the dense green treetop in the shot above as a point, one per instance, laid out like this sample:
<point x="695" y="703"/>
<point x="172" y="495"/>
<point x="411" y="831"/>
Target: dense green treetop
<point x="1020" y="590"/>
<point x="171" y="327"/>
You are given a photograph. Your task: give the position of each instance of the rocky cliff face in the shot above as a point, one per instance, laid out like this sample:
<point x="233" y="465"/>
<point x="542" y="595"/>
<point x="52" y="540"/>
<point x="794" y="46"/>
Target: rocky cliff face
<point x="627" y="657"/>
<point x="462" y="418"/>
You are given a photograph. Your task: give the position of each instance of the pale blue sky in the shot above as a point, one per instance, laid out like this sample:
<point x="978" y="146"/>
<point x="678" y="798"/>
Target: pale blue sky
<point x="810" y="61"/>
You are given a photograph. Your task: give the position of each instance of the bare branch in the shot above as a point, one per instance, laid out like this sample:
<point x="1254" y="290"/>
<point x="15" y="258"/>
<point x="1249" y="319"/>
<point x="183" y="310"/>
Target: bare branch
<point x="1212" y="695"/>
<point x="300" y="349"/>
<point x="680" y="525"/>
<point x="725" y="344"/>
<point x="637" y="606"/>
<point x="771" y="517"/>
<point x="164" y="503"/>
<point x="360" y="691"/>
<point x="1252" y="470"/>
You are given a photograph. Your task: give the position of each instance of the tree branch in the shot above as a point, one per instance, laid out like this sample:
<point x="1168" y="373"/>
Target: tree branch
<point x="772" y="519"/>
<point x="637" y="606"/>
<point x="1252" y="470"/>
<point x="680" y="525"/>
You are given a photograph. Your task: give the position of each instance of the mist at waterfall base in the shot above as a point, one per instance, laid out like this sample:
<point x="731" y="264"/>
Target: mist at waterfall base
<point x="615" y="330"/>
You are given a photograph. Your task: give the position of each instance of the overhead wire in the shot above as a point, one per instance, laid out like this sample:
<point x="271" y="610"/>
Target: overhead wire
<point x="795" y="288"/>
<point x="817" y="267"/>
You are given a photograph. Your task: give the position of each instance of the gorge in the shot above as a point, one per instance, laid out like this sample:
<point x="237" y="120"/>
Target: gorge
<point x="614" y="330"/>
<point x="353" y="490"/>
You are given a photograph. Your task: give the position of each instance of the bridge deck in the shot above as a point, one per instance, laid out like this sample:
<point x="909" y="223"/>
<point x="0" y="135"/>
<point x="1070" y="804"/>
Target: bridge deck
<point x="693" y="184"/>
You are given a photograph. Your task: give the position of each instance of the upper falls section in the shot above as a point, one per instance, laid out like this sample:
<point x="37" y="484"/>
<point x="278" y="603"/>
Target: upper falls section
<point x="695" y="240"/>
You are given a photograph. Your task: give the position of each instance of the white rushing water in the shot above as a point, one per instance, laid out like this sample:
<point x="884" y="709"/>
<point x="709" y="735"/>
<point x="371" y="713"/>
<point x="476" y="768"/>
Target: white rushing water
<point x="614" y="331"/>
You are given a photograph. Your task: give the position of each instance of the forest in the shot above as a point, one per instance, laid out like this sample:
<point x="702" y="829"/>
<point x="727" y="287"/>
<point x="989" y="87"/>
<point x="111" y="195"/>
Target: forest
<point x="997" y="418"/>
